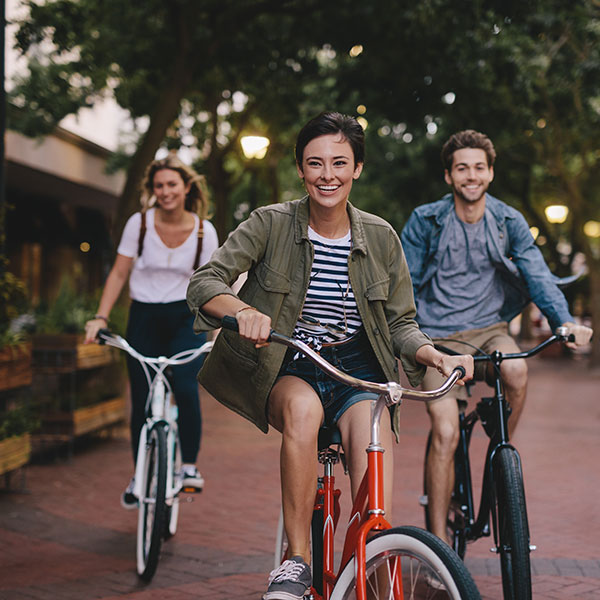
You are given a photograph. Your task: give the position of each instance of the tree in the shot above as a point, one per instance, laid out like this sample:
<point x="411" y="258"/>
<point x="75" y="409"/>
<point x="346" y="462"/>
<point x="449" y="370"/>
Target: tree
<point x="527" y="74"/>
<point x="80" y="50"/>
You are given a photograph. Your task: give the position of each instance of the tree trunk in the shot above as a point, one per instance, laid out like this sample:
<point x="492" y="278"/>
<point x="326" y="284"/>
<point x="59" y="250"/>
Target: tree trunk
<point x="165" y="112"/>
<point x="219" y="181"/>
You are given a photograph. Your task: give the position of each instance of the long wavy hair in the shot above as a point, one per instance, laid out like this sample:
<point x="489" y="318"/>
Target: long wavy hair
<point x="196" y="200"/>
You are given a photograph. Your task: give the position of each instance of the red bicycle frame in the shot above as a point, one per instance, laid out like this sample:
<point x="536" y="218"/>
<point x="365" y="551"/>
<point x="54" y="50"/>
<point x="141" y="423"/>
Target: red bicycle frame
<point x="367" y="516"/>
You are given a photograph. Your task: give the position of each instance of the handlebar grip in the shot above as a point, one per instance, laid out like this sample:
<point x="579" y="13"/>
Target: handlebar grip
<point x="571" y="337"/>
<point x="229" y="323"/>
<point x="103" y="332"/>
<point x="461" y="370"/>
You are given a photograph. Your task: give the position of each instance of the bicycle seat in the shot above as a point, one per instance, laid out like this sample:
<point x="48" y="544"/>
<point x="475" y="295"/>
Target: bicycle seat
<point x="329" y="436"/>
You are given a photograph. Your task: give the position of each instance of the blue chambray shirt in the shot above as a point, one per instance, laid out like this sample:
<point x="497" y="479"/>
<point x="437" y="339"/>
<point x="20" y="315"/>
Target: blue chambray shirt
<point x="511" y="246"/>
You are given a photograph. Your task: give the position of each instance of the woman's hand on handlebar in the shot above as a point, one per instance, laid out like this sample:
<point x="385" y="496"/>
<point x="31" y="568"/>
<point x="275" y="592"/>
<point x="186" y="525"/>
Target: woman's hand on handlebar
<point x="253" y="325"/>
<point x="92" y="327"/>
<point x="581" y="333"/>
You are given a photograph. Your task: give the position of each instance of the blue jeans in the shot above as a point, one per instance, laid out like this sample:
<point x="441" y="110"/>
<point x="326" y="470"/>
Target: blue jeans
<point x="164" y="330"/>
<point x="355" y="357"/>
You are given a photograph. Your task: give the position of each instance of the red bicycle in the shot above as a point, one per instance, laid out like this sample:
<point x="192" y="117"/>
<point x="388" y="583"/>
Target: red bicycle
<point x="378" y="561"/>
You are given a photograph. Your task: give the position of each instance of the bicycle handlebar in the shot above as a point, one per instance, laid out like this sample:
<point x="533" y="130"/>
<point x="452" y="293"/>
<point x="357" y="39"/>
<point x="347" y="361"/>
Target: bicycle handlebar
<point x="560" y="335"/>
<point x="105" y="336"/>
<point x="392" y="391"/>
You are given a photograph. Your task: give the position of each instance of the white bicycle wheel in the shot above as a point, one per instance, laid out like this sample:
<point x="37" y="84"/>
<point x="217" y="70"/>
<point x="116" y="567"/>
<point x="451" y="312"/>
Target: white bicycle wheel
<point x="152" y="507"/>
<point x="428" y="568"/>
<point x="173" y="503"/>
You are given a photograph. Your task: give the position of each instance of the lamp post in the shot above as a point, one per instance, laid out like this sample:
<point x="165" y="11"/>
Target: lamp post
<point x="254" y="148"/>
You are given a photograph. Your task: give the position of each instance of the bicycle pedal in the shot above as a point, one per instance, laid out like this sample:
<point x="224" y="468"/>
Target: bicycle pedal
<point x="532" y="547"/>
<point x="188" y="489"/>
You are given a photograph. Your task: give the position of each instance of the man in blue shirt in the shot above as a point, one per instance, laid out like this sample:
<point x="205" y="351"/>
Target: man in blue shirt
<point x="474" y="266"/>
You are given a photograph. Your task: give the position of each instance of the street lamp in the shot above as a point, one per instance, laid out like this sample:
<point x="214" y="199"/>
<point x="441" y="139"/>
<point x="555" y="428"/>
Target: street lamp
<point x="254" y="148"/>
<point x="556" y="213"/>
<point x="592" y="229"/>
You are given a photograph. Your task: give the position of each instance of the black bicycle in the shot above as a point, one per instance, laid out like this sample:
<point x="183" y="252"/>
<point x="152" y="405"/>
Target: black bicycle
<point x="502" y="493"/>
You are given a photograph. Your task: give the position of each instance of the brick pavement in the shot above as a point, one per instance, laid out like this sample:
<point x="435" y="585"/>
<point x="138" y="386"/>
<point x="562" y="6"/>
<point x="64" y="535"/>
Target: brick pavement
<point x="65" y="536"/>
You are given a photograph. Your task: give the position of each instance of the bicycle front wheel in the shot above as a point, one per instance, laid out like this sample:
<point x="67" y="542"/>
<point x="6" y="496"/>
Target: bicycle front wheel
<point x="513" y="530"/>
<point x="409" y="563"/>
<point x="172" y="510"/>
<point x="152" y="506"/>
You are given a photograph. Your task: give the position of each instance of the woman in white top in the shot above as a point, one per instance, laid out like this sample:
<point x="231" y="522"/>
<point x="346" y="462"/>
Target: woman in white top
<point x="160" y="248"/>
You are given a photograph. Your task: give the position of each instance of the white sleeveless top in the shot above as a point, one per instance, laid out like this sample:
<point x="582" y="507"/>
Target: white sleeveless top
<point x="161" y="274"/>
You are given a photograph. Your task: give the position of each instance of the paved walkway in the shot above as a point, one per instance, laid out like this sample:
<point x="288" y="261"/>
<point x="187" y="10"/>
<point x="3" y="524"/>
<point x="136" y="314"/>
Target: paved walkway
<point x="66" y="537"/>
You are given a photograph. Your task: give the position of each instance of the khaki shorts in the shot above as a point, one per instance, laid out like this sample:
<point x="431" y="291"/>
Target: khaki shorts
<point x="487" y="339"/>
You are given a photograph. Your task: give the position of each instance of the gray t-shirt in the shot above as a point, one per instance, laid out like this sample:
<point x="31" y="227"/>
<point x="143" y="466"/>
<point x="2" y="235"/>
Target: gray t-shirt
<point x="466" y="291"/>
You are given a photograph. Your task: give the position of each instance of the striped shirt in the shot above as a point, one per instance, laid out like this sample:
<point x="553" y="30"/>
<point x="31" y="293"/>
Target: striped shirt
<point x="329" y="307"/>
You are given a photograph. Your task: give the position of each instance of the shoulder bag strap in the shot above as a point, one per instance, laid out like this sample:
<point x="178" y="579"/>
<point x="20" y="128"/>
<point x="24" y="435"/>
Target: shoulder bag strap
<point x="142" y="234"/>
<point x="199" y="246"/>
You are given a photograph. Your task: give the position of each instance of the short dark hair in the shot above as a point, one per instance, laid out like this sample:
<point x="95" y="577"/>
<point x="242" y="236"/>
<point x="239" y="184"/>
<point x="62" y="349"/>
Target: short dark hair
<point x="469" y="138"/>
<point x="332" y="122"/>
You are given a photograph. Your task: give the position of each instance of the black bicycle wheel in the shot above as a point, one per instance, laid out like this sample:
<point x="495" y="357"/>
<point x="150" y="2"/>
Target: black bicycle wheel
<point x="428" y="567"/>
<point x="513" y="530"/>
<point x="456" y="522"/>
<point x="152" y="506"/>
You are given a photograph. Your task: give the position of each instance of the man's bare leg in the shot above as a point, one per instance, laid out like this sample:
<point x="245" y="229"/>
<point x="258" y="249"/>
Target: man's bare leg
<point x="439" y="471"/>
<point x="514" y="376"/>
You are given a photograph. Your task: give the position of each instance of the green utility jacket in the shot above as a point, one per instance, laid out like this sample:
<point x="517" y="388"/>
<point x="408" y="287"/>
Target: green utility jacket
<point x="272" y="245"/>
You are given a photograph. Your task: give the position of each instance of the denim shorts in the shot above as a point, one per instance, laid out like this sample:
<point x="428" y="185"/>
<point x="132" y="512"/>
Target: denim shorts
<point x="355" y="357"/>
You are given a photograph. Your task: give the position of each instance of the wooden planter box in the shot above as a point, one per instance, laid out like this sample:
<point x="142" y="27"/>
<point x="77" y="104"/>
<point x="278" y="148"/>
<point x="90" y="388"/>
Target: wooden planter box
<point x="64" y="426"/>
<point x="14" y="452"/>
<point x="64" y="352"/>
<point x="15" y="366"/>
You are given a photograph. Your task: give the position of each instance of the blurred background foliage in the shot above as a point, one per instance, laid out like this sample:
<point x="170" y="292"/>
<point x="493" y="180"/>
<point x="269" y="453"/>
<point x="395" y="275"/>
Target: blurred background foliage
<point x="199" y="75"/>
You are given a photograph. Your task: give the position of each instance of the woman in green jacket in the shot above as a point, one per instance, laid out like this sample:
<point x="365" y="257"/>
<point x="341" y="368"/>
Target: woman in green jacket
<point x="336" y="277"/>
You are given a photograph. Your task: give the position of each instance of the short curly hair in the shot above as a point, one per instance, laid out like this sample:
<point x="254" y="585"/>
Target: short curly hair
<point x="469" y="138"/>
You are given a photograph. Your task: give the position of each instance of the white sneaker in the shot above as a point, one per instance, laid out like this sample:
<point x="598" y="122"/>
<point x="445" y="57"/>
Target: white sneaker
<point x="191" y="478"/>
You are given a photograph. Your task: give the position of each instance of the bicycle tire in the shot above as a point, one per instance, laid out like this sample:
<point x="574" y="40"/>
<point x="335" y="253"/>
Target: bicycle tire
<point x="513" y="529"/>
<point x="172" y="510"/>
<point x="152" y="505"/>
<point x="316" y="547"/>
<point x="426" y="563"/>
<point x="456" y="522"/>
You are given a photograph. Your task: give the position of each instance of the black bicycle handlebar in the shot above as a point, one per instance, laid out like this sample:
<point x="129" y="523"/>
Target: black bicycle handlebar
<point x="559" y="336"/>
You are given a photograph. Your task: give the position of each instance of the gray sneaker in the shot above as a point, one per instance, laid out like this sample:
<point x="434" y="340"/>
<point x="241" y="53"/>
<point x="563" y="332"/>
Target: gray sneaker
<point x="290" y="581"/>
